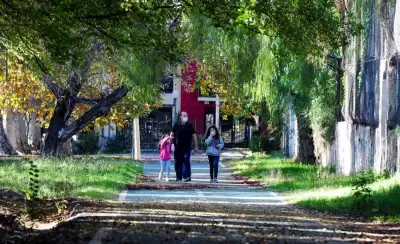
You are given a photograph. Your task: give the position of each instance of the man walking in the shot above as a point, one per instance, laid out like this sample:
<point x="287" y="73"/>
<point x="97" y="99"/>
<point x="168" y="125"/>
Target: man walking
<point x="182" y="133"/>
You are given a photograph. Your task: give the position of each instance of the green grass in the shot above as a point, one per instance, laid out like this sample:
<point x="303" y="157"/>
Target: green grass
<point x="283" y="175"/>
<point x="384" y="206"/>
<point x="320" y="188"/>
<point x="92" y="177"/>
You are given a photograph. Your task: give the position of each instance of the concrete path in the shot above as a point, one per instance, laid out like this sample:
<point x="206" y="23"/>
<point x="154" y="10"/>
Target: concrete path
<point x="228" y="190"/>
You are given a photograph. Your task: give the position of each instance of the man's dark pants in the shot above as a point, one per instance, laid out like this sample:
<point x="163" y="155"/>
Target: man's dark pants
<point x="182" y="163"/>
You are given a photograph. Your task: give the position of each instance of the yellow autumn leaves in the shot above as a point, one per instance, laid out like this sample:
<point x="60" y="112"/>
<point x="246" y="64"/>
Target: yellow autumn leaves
<point x="23" y="92"/>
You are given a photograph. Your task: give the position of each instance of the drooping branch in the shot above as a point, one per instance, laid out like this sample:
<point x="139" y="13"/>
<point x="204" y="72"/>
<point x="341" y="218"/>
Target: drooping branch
<point x="47" y="79"/>
<point x="175" y="23"/>
<point x="102" y="108"/>
<point x="103" y="32"/>
<point x="86" y="70"/>
<point x="53" y="87"/>
<point x="74" y="84"/>
<point x="105" y="16"/>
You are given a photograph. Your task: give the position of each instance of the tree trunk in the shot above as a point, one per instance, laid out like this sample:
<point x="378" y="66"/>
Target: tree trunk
<point x="16" y="128"/>
<point x="57" y="123"/>
<point x="306" y="143"/>
<point x="33" y="132"/>
<point x="59" y="132"/>
<point x="5" y="147"/>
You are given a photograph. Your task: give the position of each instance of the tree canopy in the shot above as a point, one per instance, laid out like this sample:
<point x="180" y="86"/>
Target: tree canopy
<point x="251" y="64"/>
<point x="113" y="48"/>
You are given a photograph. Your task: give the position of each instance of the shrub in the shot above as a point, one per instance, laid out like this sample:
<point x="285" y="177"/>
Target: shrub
<point x="115" y="145"/>
<point x="264" y="144"/>
<point x="255" y="144"/>
<point x="88" y="143"/>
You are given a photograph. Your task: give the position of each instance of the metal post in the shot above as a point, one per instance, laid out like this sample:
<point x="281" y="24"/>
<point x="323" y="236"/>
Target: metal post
<point x="133" y="139"/>
<point x="136" y="139"/>
<point x="174" y="111"/>
<point x="250" y="134"/>
<point x="217" y="103"/>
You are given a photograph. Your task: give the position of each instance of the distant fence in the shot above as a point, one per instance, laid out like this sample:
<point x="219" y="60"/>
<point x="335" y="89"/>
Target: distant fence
<point x="234" y="131"/>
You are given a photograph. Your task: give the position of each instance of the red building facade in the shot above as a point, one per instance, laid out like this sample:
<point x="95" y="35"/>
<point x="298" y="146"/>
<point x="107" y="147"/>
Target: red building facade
<point x="201" y="110"/>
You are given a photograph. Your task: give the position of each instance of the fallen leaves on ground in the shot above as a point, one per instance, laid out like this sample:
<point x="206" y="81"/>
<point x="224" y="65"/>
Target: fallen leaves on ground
<point x="246" y="180"/>
<point x="145" y="178"/>
<point x="196" y="222"/>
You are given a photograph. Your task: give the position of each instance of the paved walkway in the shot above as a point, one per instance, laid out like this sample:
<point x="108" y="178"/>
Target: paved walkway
<point x="228" y="190"/>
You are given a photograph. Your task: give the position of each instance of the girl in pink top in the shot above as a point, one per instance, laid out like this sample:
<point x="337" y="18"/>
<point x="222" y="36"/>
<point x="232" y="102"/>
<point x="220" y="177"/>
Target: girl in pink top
<point x="165" y="155"/>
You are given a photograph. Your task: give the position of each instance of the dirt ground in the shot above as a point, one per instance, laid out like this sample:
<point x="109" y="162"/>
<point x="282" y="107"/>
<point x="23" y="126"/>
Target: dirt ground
<point x="88" y="221"/>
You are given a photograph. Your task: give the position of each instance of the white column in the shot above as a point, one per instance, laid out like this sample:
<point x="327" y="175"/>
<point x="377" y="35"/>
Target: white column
<point x="175" y="96"/>
<point x="177" y="87"/>
<point x="217" y="103"/>
<point x="136" y="140"/>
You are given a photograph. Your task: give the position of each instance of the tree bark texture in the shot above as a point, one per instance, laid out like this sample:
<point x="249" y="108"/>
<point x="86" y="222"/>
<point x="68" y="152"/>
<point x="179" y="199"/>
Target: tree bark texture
<point x="305" y="144"/>
<point x="5" y="146"/>
<point x="16" y="129"/>
<point x="59" y="131"/>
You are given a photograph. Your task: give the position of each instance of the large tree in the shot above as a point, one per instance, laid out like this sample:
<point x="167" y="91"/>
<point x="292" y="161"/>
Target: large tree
<point x="61" y="40"/>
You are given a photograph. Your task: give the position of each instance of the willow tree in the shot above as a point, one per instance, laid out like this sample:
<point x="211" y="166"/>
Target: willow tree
<point x="259" y="56"/>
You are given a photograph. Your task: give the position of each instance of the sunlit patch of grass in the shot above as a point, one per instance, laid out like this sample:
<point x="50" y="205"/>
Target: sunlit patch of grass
<point x="282" y="174"/>
<point x="385" y="202"/>
<point x="320" y="188"/>
<point x="93" y="177"/>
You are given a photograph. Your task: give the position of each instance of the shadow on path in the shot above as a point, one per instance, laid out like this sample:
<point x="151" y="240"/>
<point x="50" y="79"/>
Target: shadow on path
<point x="157" y="222"/>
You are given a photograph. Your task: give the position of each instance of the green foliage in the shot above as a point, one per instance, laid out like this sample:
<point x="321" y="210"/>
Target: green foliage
<point x="362" y="193"/>
<point x="100" y="45"/>
<point x="245" y="68"/>
<point x="32" y="193"/>
<point x="65" y="37"/>
<point x="142" y="74"/>
<point x="225" y="60"/>
<point x="32" y="201"/>
<point x="324" y="105"/>
<point x="397" y="131"/>
<point x="88" y="142"/>
<point x="243" y="48"/>
<point x="264" y="144"/>
<point x="115" y="145"/>
<point x="255" y="144"/>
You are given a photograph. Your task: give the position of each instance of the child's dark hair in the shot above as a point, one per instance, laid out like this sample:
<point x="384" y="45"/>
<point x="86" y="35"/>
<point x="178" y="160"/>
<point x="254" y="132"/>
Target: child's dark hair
<point x="217" y="135"/>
